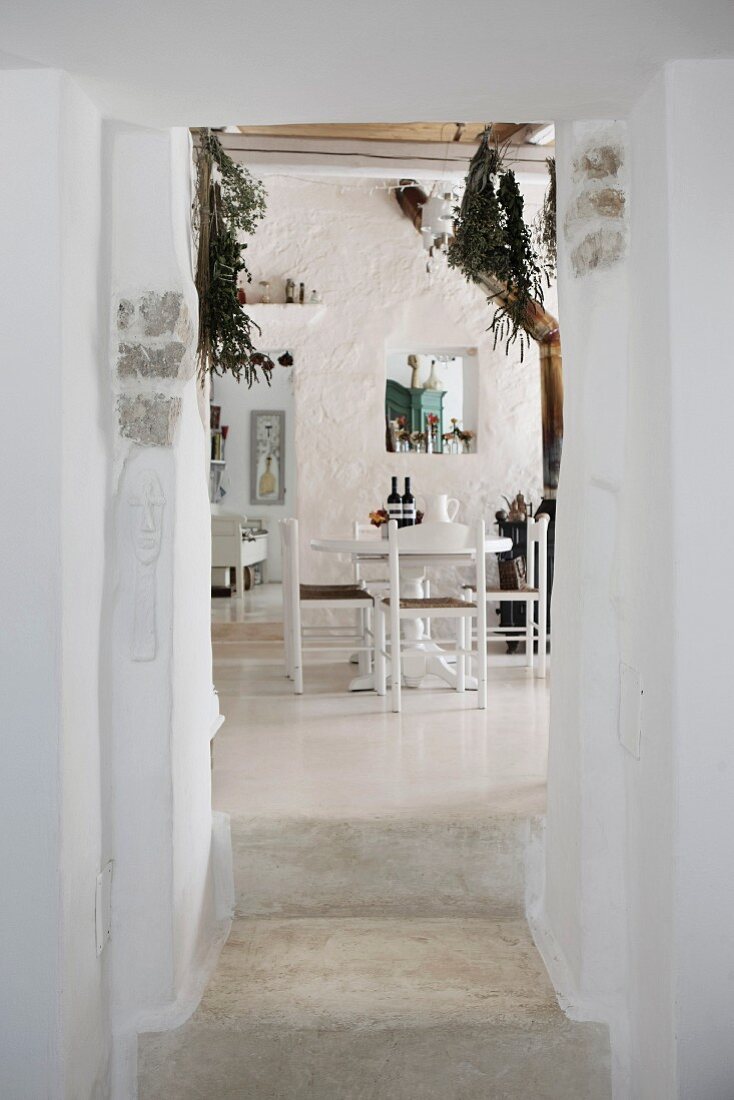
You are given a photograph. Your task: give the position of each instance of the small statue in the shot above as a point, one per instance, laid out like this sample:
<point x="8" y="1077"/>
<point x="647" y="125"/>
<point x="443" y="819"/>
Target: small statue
<point x="415" y="370"/>
<point x="518" y="509"/>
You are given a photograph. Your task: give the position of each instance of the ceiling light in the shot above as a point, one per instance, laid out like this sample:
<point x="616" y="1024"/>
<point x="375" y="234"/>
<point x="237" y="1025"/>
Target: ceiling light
<point x="544" y="135"/>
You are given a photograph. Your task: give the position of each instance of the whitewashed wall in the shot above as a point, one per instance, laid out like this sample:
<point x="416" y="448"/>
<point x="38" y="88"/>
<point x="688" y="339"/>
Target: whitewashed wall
<point x="350" y="241"/>
<point x="161" y="703"/>
<point x="639" y="897"/>
<point x="237" y="403"/>
<point x="54" y="1023"/>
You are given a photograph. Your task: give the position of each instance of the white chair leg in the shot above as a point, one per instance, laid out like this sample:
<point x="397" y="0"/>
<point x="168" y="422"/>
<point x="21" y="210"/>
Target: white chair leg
<point x="460" y="655"/>
<point x="482" y="655"/>
<point x="380" y="646"/>
<point x="427" y="596"/>
<point x="542" y="631"/>
<point x="296" y="649"/>
<point x="529" y="633"/>
<point x="396" y="657"/>
<point x="287" y="628"/>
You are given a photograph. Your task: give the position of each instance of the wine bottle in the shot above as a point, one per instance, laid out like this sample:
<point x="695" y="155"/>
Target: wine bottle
<point x="395" y="503"/>
<point x="290" y="292"/>
<point x="408" y="506"/>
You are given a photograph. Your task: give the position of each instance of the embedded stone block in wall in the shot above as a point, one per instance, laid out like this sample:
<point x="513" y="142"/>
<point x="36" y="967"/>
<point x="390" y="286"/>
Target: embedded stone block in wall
<point x="599" y="161"/>
<point x="148" y="419"/>
<point x="161" y="313"/>
<point x="595" y="220"/>
<point x="158" y="336"/>
<point x="146" y="361"/>
<point x="155" y="314"/>
<point x="600" y="249"/>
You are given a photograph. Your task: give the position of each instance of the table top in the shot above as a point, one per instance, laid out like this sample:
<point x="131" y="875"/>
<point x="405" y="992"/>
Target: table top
<point x="378" y="548"/>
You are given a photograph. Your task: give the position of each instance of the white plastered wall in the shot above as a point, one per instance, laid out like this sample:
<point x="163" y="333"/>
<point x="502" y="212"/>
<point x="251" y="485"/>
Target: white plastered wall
<point x="349" y="240"/>
<point x="55" y="1024"/>
<point x="238" y="403"/>
<point x="162" y="706"/>
<point x="636" y="923"/>
<point x="104" y="758"/>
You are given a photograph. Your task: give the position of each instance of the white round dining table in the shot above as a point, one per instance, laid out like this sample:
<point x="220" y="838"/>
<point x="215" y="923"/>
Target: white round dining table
<point x="422" y="656"/>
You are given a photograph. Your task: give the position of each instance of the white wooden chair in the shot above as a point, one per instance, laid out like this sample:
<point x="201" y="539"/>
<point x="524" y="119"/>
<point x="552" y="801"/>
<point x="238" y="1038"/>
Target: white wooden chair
<point x="534" y="594"/>
<point x="296" y="596"/>
<point x="376" y="586"/>
<point x="433" y="538"/>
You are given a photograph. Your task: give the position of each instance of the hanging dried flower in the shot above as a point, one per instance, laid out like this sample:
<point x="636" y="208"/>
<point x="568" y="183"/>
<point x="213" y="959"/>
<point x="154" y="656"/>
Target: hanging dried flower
<point x="228" y="202"/>
<point x="492" y="238"/>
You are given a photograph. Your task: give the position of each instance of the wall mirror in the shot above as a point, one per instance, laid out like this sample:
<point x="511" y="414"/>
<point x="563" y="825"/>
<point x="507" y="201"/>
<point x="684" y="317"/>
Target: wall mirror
<point x="431" y="400"/>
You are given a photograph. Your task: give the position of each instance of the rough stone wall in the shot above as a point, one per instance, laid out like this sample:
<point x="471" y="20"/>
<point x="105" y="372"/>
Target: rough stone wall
<point x="349" y="240"/>
<point x="595" y="221"/>
<point x="154" y="358"/>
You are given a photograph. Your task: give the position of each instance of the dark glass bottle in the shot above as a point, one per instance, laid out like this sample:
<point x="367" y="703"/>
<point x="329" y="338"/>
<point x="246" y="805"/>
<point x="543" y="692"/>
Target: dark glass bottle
<point x="395" y="503"/>
<point x="408" y="506"/>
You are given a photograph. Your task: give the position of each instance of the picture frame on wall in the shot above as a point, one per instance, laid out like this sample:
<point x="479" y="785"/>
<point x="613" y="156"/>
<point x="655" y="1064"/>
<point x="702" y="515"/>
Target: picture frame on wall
<point x="267" y="456"/>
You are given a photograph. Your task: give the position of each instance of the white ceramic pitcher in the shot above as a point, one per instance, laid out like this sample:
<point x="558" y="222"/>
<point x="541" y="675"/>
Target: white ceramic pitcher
<point x="438" y="507"/>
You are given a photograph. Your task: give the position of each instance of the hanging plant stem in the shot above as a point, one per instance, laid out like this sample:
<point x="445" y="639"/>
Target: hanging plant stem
<point x="228" y="203"/>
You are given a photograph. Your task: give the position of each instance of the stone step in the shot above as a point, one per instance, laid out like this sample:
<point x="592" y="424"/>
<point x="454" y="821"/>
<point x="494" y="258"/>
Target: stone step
<point x="381" y="867"/>
<point x="365" y="1009"/>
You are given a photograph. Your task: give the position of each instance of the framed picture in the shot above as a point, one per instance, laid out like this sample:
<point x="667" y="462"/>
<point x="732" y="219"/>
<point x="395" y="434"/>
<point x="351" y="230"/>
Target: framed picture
<point x="267" y="457"/>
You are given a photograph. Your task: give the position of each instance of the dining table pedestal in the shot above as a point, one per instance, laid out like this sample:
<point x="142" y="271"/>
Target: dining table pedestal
<point x="422" y="656"/>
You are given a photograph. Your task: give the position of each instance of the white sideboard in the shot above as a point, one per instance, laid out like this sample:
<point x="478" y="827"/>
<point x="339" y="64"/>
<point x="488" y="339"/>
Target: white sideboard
<point x="236" y="546"/>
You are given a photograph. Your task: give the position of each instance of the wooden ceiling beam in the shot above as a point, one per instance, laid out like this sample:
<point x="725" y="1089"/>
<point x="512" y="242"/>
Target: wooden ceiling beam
<point x="465" y="133"/>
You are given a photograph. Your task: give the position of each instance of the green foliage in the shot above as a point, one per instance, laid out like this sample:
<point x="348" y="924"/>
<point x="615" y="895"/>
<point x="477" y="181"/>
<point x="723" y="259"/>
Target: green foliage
<point x="492" y="239"/>
<point x="544" y="226"/>
<point x="522" y="274"/>
<point x="229" y="202"/>
<point x="478" y="245"/>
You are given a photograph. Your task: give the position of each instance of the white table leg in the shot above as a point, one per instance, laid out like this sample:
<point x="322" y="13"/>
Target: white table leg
<point x="421" y="655"/>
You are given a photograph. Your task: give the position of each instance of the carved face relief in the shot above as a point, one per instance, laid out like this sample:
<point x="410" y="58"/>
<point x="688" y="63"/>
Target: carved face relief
<point x="147" y="517"/>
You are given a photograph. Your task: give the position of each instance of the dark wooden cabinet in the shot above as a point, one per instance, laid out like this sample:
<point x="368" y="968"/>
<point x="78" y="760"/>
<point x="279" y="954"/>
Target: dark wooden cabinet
<point x="513" y="613"/>
<point x="415" y="405"/>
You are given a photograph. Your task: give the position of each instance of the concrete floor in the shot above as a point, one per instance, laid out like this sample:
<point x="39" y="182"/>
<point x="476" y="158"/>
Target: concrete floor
<point x="379" y="949"/>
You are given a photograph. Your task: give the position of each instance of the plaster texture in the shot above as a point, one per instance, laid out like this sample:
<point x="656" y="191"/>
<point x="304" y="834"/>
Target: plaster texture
<point x="159" y="702"/>
<point x="638" y="895"/>
<point x="368" y="60"/>
<point x="54" y="1010"/>
<point x="350" y="241"/>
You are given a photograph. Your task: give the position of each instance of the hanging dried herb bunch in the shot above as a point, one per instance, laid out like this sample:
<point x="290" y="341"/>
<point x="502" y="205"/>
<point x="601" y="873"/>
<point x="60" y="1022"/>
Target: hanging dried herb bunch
<point x="492" y="239"/>
<point x="478" y="244"/>
<point x="228" y="203"/>
<point x="544" y="226"/>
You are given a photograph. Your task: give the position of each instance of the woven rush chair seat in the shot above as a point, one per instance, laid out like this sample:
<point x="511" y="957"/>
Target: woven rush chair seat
<point x="325" y="637"/>
<point x="333" y="592"/>
<point x="431" y="601"/>
<point x="507" y="593"/>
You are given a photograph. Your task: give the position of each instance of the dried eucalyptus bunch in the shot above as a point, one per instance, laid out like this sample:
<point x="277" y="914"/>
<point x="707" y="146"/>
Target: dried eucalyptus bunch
<point x="491" y="238"/>
<point x="228" y="202"/>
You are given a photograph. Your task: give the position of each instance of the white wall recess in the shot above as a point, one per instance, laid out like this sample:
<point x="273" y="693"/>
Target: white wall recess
<point x="146" y="503"/>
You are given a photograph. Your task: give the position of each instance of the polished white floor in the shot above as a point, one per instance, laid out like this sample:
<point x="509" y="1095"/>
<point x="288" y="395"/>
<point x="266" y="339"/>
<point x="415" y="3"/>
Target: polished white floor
<point x="333" y="754"/>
